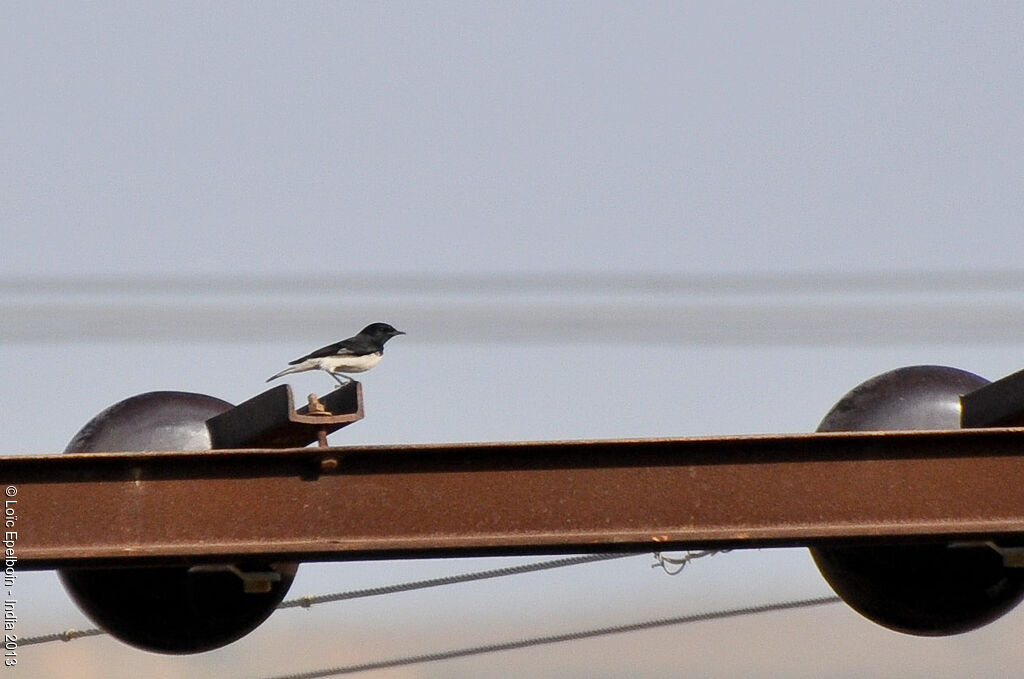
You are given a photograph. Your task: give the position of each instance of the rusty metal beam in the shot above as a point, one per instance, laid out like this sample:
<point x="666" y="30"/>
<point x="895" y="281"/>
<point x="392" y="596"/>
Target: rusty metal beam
<point x="512" y="498"/>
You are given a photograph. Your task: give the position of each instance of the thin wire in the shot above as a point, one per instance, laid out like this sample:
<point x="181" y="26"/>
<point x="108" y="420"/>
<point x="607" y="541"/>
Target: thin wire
<point x="307" y="601"/>
<point x="66" y="635"/>
<point x="559" y="638"/>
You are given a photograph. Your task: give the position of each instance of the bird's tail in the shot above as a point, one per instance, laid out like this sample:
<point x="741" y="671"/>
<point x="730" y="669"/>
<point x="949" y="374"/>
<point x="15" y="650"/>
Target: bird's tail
<point x="286" y="371"/>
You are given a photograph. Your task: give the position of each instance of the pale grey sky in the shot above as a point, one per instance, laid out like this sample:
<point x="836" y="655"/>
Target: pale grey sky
<point x="489" y="137"/>
<point x="757" y="161"/>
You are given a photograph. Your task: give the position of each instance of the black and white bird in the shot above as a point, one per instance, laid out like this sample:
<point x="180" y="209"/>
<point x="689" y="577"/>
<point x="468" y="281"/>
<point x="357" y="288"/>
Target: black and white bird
<point x="353" y="355"/>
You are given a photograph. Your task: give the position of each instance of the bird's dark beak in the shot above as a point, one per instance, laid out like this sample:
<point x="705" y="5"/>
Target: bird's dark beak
<point x="398" y="332"/>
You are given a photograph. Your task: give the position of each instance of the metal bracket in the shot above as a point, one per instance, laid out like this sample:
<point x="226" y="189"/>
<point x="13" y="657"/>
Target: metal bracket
<point x="253" y="582"/>
<point x="270" y="419"/>
<point x="997" y="404"/>
<point x="1013" y="557"/>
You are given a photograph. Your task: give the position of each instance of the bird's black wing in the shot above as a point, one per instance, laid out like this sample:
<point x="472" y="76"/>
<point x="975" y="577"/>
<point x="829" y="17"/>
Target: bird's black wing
<point x="342" y="348"/>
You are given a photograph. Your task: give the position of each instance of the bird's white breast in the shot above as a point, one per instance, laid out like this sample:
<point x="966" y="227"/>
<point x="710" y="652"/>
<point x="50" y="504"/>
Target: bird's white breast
<point x="349" y="364"/>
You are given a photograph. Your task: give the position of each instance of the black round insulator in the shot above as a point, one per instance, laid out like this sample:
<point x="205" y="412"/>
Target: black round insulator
<point x="167" y="609"/>
<point x="922" y="589"/>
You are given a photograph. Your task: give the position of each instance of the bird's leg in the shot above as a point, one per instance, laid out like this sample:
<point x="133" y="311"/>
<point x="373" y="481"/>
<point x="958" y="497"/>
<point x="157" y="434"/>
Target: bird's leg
<point x="336" y="379"/>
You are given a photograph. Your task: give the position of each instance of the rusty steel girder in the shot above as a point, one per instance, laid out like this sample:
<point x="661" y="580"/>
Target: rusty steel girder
<point x="309" y="504"/>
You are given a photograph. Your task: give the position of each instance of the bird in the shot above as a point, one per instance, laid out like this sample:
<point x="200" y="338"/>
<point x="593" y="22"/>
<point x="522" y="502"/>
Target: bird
<point x="356" y="354"/>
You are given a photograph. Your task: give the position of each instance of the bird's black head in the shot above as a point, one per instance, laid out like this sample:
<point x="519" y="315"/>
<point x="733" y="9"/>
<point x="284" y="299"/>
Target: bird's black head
<point x="381" y="332"/>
